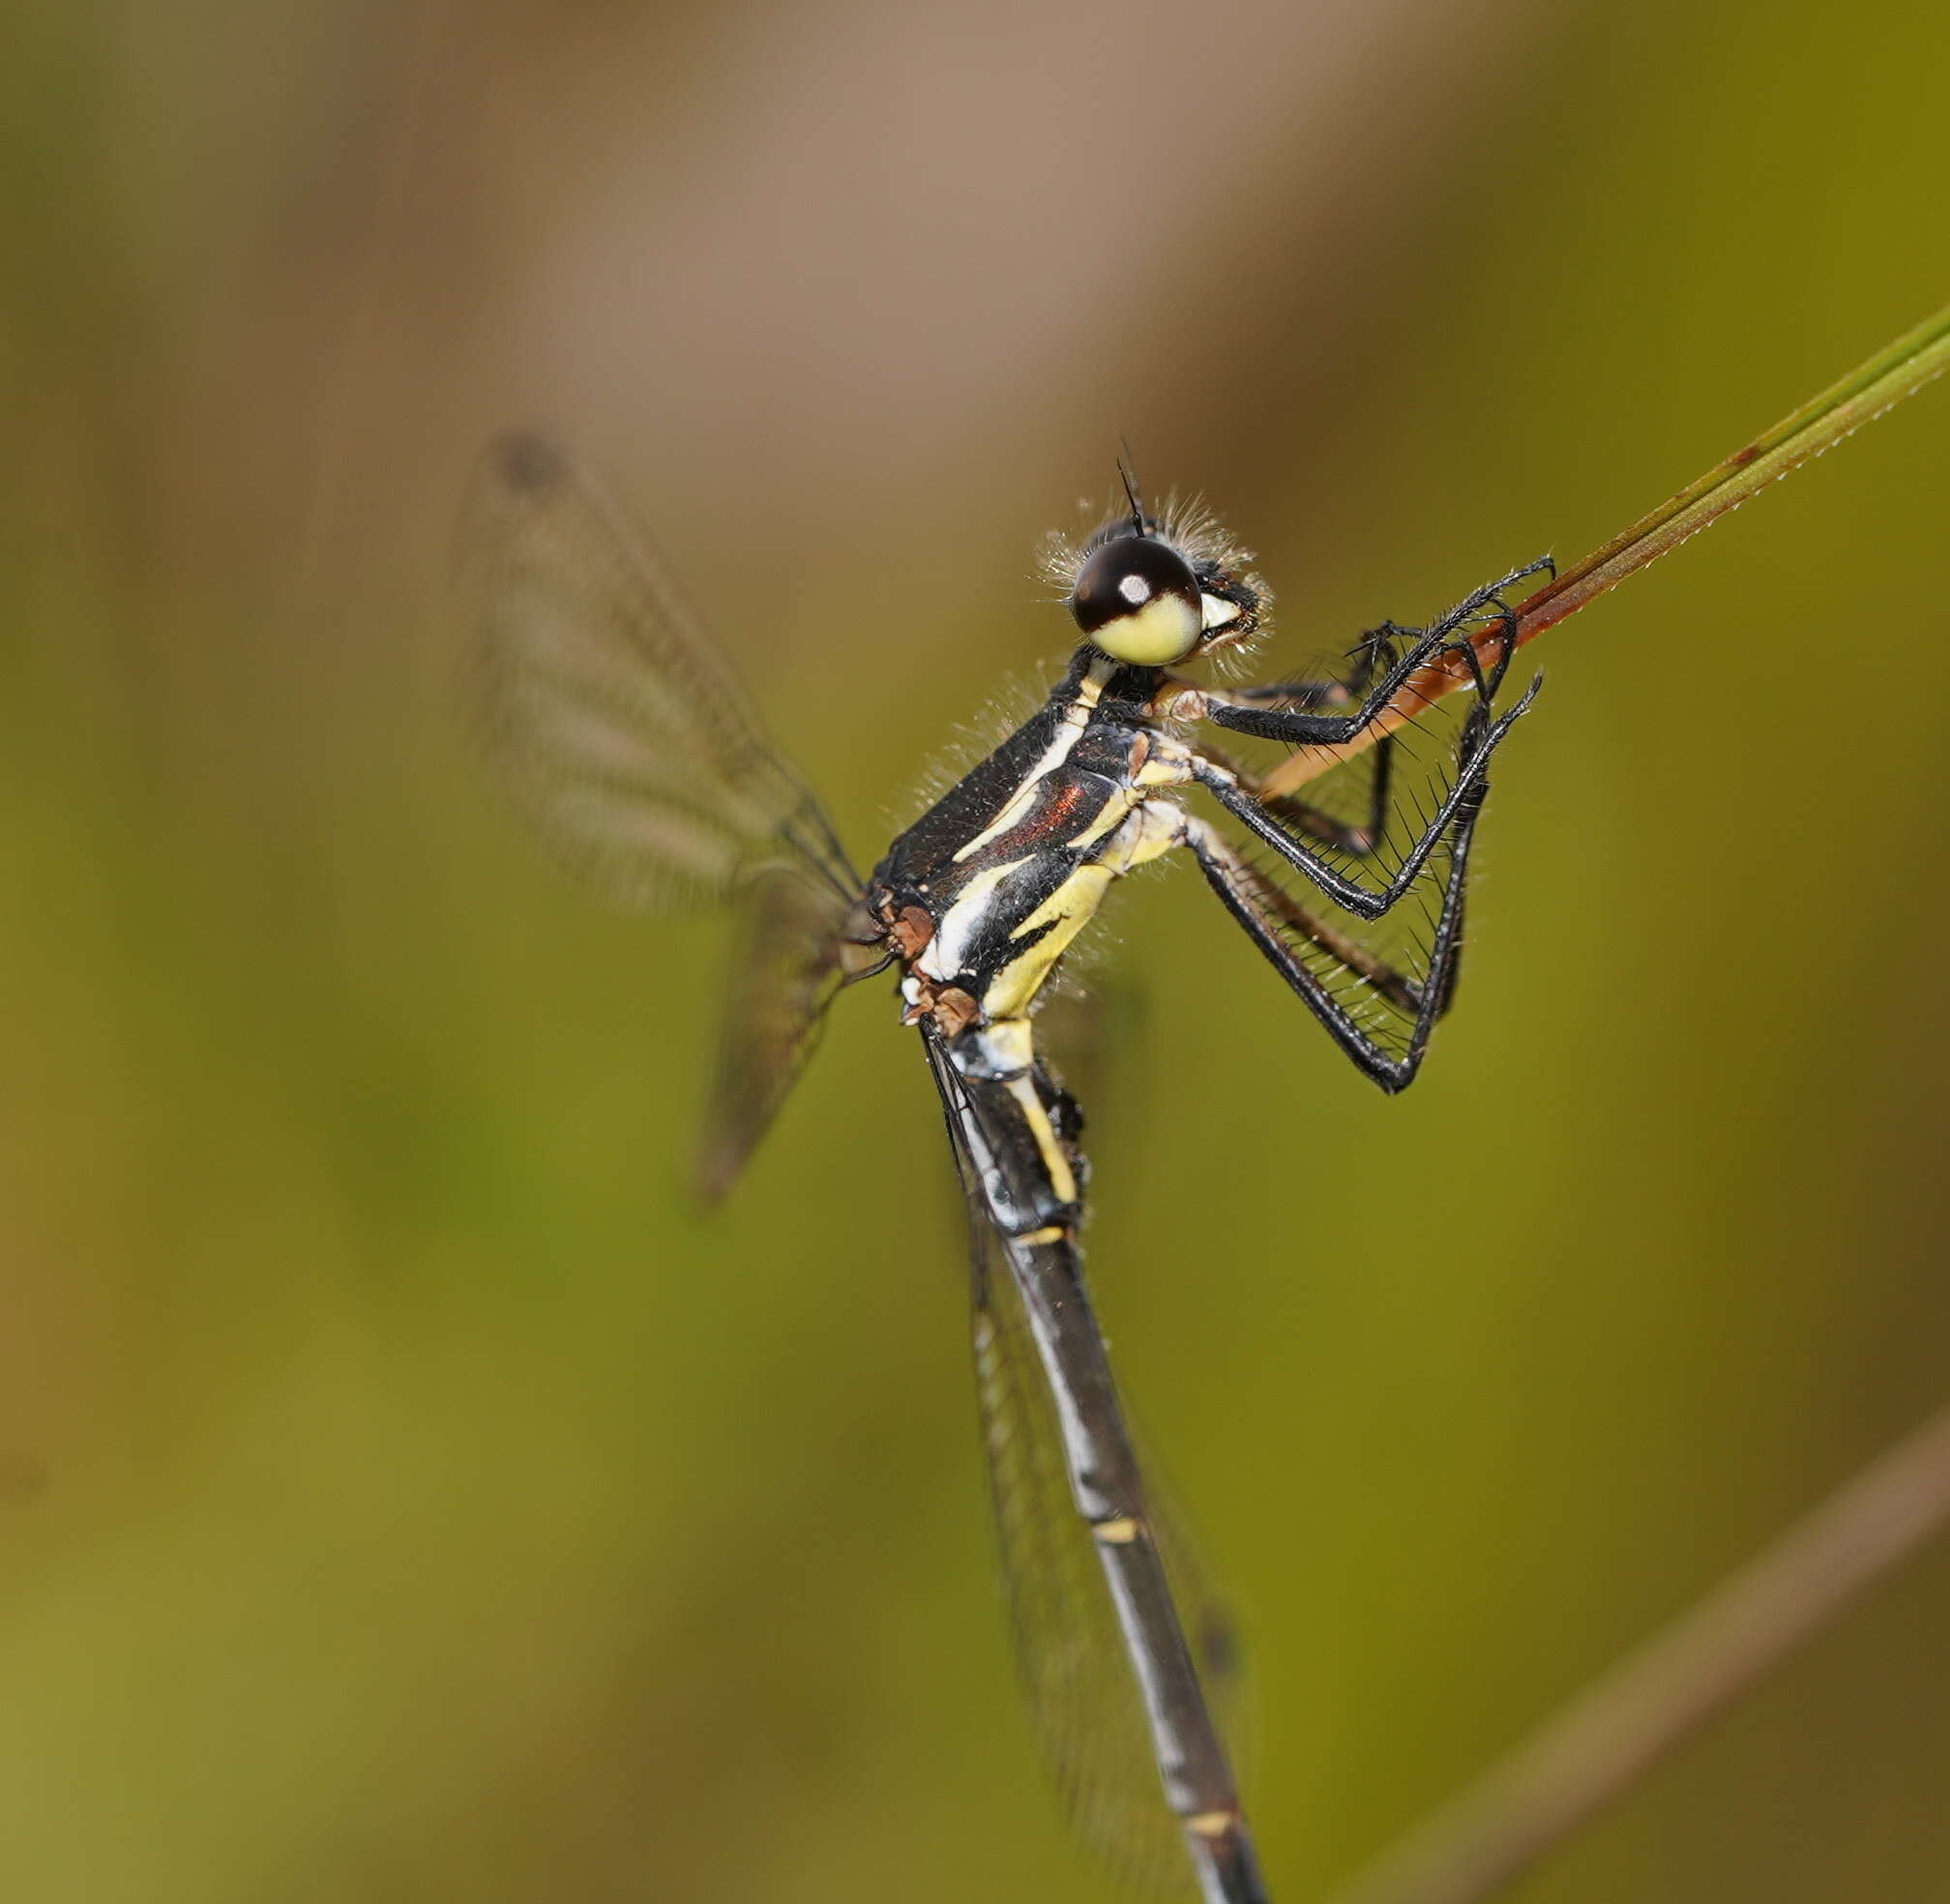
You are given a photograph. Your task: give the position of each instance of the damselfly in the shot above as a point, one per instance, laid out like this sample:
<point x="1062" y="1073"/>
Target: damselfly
<point x="639" y="754"/>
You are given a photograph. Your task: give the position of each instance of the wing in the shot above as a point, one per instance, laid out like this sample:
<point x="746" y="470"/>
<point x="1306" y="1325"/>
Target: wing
<point x="1083" y="1701"/>
<point x="640" y="761"/>
<point x="784" y="970"/>
<point x="611" y="716"/>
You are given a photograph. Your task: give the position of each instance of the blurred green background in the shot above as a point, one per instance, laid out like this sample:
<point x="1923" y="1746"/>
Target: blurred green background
<point x="405" y="1493"/>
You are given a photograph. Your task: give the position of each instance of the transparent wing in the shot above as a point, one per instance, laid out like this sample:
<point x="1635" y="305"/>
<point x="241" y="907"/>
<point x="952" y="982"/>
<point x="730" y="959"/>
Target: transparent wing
<point x="641" y="762"/>
<point x="610" y="718"/>
<point x="784" y="970"/>
<point x="1083" y="1699"/>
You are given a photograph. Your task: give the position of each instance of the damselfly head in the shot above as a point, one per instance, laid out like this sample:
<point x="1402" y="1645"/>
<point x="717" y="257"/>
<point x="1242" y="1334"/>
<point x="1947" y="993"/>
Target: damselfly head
<point x="1137" y="600"/>
<point x="1157" y="590"/>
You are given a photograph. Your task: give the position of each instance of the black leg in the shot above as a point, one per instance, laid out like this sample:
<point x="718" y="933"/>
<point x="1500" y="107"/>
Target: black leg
<point x="1357" y="839"/>
<point x="1377" y="649"/>
<point x="1269" y="916"/>
<point x="1480" y="739"/>
<point x="1296" y="727"/>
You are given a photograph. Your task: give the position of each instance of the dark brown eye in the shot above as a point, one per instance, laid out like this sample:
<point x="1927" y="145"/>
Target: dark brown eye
<point x="1137" y="600"/>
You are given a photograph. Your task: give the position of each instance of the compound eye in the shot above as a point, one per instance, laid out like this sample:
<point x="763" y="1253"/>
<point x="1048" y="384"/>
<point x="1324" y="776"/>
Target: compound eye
<point x="1137" y="600"/>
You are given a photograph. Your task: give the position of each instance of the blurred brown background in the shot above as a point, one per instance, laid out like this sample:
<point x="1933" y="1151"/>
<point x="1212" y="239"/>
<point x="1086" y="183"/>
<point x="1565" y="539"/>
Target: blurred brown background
<point x="403" y="1494"/>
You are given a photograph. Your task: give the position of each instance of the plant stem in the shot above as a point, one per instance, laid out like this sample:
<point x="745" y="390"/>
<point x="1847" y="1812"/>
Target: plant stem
<point x="1597" y="1746"/>
<point x="1893" y="373"/>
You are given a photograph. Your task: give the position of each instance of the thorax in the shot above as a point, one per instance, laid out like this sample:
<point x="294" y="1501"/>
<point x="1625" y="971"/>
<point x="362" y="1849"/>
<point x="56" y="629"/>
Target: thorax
<point x="982" y="894"/>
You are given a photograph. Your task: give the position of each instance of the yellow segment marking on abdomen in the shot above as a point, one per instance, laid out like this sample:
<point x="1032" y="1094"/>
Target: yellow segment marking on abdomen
<point x="1062" y="1179"/>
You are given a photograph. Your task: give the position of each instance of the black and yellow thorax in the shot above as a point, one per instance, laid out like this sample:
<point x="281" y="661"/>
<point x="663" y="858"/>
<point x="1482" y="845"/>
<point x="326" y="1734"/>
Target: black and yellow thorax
<point x="982" y="895"/>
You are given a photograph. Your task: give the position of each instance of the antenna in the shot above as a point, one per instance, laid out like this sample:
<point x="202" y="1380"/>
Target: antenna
<point x="1128" y="474"/>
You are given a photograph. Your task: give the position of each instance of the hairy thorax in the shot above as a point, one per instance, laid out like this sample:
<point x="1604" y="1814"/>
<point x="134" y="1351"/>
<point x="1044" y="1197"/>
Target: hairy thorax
<point x="980" y="898"/>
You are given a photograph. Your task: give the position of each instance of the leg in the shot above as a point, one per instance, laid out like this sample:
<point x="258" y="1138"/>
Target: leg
<point x="1377" y="648"/>
<point x="1298" y="728"/>
<point x="1271" y="920"/>
<point x="1480" y="739"/>
<point x="1355" y="838"/>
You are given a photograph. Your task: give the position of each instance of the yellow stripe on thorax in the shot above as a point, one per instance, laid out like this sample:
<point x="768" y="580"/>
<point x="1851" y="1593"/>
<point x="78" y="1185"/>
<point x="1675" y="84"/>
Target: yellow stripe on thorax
<point x="1144" y="833"/>
<point x="1065" y="912"/>
<point x="1069" y="730"/>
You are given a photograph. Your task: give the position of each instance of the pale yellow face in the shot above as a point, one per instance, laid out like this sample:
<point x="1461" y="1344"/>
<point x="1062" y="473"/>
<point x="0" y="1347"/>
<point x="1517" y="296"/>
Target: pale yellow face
<point x="1156" y="632"/>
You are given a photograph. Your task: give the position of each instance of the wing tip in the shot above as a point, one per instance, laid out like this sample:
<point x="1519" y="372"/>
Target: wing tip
<point x="525" y="461"/>
<point x="714" y="1172"/>
<point x="731" y="1133"/>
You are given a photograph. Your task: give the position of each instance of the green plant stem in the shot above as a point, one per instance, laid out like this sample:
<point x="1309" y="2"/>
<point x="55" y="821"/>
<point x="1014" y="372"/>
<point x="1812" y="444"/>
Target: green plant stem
<point x="1893" y="373"/>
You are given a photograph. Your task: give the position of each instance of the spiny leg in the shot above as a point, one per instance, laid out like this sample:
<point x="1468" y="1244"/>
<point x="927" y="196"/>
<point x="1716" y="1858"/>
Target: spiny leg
<point x="1303" y="728"/>
<point x="1355" y="838"/>
<point x="1481" y="737"/>
<point x="1262" y="910"/>
<point x="1474" y="725"/>
<point x="1377" y="648"/>
<point x="1299" y="727"/>
<point x="1268" y="913"/>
